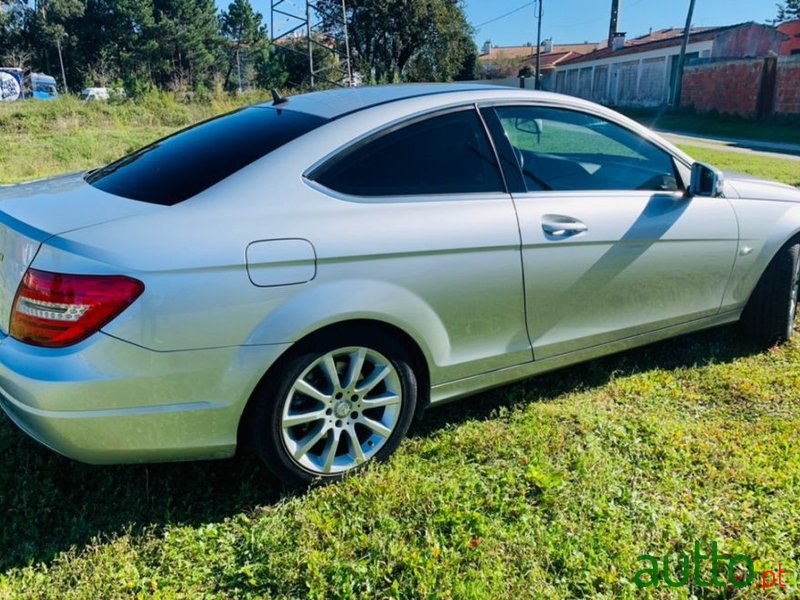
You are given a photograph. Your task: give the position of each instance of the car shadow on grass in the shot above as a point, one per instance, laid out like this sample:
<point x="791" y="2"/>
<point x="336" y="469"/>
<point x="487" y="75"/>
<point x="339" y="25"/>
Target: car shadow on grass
<point x="49" y="504"/>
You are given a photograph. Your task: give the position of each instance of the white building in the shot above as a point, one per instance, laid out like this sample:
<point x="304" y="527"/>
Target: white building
<point x="641" y="72"/>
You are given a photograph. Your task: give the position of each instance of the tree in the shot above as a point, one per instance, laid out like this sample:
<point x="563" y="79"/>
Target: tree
<point x="188" y="38"/>
<point x="789" y="10"/>
<point x="48" y="26"/>
<point x="502" y="68"/>
<point x="470" y="67"/>
<point x="11" y="29"/>
<point x="447" y="46"/>
<point x="292" y="61"/>
<point x="119" y="41"/>
<point x="246" y="36"/>
<point x="405" y="40"/>
<point x="271" y="69"/>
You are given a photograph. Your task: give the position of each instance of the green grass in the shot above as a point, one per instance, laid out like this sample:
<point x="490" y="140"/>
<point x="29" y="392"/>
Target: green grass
<point x="777" y="129"/>
<point x="38" y="139"/>
<point x="777" y="169"/>
<point x="550" y="488"/>
<point x="565" y="138"/>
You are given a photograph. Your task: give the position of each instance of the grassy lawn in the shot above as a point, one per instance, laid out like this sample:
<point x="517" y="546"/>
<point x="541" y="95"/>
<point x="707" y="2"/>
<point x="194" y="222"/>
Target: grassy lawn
<point x="778" y="129"/>
<point x="783" y="170"/>
<point x="550" y="488"/>
<point x="38" y="139"/>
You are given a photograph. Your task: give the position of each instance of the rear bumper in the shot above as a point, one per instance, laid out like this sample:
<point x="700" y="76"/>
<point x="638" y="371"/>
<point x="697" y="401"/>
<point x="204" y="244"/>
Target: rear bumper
<point x="106" y="401"/>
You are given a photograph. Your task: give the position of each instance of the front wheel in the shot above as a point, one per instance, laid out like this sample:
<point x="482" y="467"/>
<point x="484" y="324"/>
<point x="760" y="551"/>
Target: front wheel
<point x="334" y="407"/>
<point x="770" y="314"/>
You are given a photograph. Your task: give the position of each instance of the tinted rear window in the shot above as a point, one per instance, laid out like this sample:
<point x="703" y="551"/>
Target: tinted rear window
<point x="447" y="154"/>
<point x="191" y="161"/>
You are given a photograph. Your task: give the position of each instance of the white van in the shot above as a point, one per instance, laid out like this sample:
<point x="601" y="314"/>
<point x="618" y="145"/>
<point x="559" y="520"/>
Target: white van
<point x="90" y="94"/>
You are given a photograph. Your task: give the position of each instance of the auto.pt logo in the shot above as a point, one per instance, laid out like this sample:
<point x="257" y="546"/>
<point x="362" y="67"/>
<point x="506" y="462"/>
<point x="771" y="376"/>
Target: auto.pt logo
<point x="679" y="570"/>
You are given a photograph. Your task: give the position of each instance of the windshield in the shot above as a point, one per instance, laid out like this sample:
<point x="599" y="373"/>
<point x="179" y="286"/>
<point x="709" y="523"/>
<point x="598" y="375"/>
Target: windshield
<point x="45" y="88"/>
<point x="191" y="161"/>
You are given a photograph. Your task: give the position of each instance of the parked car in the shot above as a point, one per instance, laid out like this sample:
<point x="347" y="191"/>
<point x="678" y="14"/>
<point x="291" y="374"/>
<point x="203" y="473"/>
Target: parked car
<point x="310" y="274"/>
<point x="93" y="94"/>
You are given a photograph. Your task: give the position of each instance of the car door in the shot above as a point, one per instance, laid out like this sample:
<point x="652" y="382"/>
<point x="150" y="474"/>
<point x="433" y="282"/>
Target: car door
<point x="612" y="245"/>
<point x="428" y="214"/>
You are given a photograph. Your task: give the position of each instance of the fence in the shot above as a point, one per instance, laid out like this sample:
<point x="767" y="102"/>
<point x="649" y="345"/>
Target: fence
<point x="747" y="87"/>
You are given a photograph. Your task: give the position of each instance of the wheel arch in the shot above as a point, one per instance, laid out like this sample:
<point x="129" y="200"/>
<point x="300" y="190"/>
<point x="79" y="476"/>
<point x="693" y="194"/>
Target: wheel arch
<point x="414" y="350"/>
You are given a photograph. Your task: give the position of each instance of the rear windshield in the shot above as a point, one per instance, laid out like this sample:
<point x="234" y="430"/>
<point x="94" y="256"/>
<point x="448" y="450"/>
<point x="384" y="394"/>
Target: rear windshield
<point x="191" y="161"/>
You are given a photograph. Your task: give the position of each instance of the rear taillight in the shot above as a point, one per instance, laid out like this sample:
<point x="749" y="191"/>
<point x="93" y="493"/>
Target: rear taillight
<point x="55" y="310"/>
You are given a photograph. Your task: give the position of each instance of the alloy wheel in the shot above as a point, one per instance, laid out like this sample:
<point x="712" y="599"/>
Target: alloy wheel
<point x="341" y="410"/>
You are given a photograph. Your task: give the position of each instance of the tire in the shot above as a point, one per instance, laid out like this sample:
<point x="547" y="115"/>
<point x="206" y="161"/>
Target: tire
<point x="314" y="421"/>
<point x="772" y="309"/>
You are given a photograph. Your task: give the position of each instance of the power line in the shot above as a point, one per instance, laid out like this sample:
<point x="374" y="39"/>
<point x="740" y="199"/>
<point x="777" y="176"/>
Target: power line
<point x="571" y="24"/>
<point x="508" y="14"/>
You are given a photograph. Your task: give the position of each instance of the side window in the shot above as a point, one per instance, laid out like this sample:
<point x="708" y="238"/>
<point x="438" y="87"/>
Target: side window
<point x="448" y="154"/>
<point x="565" y="150"/>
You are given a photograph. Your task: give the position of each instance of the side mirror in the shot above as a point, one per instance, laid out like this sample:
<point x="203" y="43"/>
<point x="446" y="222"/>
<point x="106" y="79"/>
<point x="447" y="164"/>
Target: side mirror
<point x="534" y="126"/>
<point x="706" y="181"/>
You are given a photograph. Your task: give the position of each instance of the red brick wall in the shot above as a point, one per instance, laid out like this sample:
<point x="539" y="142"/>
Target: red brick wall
<point x="729" y="87"/>
<point x="787" y="93"/>
<point x="792" y="29"/>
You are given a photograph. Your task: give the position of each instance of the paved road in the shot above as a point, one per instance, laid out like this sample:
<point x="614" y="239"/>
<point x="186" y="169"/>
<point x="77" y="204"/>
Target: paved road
<point x="768" y="149"/>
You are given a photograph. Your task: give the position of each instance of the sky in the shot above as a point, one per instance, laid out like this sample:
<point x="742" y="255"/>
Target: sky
<point x="571" y="21"/>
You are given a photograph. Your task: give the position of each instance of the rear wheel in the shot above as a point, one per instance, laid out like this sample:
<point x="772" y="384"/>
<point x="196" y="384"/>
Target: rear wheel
<point x="335" y="406"/>
<point x="770" y="314"/>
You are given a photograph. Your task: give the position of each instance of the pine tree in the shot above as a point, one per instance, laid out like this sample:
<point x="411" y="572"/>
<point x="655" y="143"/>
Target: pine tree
<point x="117" y="44"/>
<point x="246" y="36"/>
<point x="407" y="40"/>
<point x="50" y="35"/>
<point x="789" y="10"/>
<point x="188" y="39"/>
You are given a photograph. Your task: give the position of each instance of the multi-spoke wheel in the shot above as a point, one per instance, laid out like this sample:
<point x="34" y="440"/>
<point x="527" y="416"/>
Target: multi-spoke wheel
<point x="335" y="408"/>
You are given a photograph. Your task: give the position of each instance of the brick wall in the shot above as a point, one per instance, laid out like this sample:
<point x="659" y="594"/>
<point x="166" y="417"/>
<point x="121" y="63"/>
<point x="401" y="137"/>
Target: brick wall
<point x="729" y="87"/>
<point x="787" y="92"/>
<point x="733" y="87"/>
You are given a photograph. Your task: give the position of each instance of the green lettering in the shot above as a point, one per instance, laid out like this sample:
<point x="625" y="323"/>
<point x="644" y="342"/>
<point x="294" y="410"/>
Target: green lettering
<point x="716" y="563"/>
<point x="699" y="557"/>
<point x="751" y="571"/>
<point x="684" y="572"/>
<point x="655" y="576"/>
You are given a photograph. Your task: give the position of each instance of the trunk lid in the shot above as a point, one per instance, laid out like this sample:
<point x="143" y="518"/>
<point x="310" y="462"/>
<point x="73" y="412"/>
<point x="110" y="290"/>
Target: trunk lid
<point x="33" y="212"/>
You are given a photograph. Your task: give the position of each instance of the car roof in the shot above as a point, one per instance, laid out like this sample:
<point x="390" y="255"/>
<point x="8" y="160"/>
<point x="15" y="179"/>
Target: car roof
<point x="333" y="104"/>
<point x="337" y="103"/>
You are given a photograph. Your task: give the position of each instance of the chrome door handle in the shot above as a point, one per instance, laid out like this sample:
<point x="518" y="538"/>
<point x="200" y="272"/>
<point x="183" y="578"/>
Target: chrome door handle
<point x="563" y="228"/>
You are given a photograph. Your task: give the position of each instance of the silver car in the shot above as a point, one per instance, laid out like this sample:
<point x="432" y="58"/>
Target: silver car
<point x="311" y="273"/>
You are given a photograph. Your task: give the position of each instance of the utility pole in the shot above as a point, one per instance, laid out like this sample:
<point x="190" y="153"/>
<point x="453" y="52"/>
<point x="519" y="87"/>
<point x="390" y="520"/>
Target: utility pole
<point x="678" y="85"/>
<point x="614" y="26"/>
<point x="61" y="61"/>
<point x="537" y="84"/>
<point x="239" y="66"/>
<point x="310" y="45"/>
